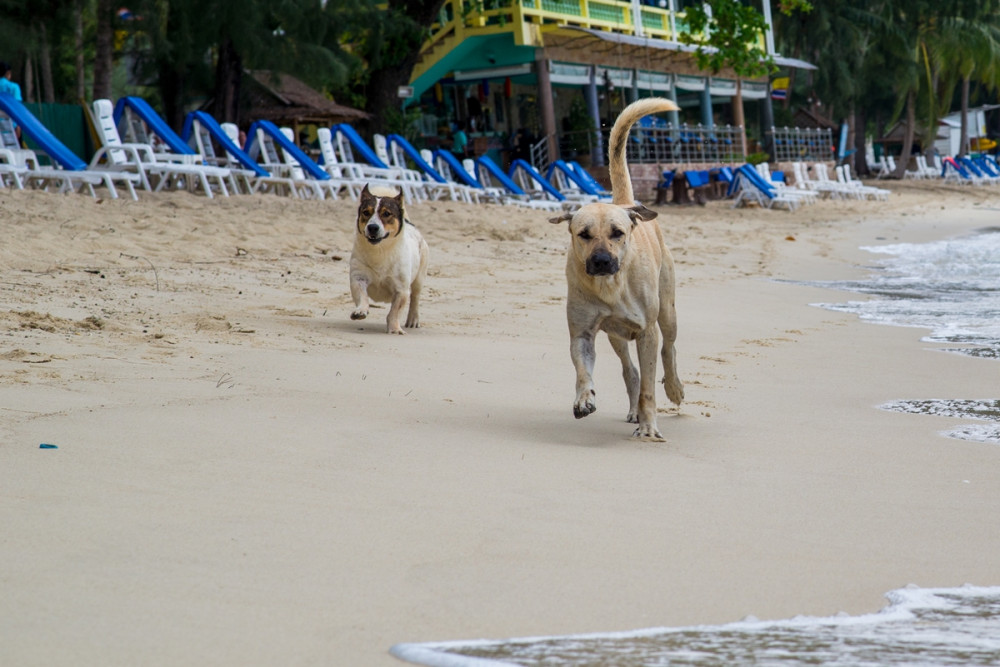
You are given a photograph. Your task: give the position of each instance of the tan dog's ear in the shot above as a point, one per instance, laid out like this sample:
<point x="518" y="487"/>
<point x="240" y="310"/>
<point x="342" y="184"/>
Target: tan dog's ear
<point x="640" y="212"/>
<point x="562" y="218"/>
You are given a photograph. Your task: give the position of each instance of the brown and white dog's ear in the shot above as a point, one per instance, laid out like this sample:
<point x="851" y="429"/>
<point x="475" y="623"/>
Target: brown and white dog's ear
<point x="562" y="218"/>
<point x="365" y="193"/>
<point x="640" y="212"/>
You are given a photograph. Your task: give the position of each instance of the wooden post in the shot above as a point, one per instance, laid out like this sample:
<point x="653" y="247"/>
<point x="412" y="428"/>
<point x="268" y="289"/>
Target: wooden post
<point x="547" y="107"/>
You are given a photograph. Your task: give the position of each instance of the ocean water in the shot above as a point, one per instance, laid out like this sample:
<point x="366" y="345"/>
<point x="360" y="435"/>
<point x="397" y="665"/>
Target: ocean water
<point x="921" y="626"/>
<point x="951" y="288"/>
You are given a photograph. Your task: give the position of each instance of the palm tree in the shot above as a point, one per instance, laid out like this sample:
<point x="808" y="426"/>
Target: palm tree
<point x="967" y="49"/>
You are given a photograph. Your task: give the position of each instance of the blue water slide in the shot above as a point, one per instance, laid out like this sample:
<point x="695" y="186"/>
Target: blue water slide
<point x="414" y="155"/>
<point x="156" y="125"/>
<point x="457" y="170"/>
<point x="219" y="135"/>
<point x="535" y="176"/>
<point x="573" y="176"/>
<point x="497" y="173"/>
<point x="359" y="145"/>
<point x="40" y="134"/>
<point x="271" y="130"/>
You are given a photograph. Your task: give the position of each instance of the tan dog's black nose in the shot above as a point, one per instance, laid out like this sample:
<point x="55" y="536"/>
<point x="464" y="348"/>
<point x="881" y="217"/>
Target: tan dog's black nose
<point x="602" y="263"/>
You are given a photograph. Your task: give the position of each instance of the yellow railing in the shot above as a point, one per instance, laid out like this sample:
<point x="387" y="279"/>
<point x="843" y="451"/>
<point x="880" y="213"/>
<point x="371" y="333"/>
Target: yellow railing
<point x="512" y="15"/>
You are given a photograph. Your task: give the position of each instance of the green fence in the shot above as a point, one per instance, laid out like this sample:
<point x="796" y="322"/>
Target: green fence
<point x="69" y="123"/>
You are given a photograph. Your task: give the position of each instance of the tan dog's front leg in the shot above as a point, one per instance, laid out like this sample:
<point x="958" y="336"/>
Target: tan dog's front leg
<point x="648" y="342"/>
<point x="392" y="320"/>
<point x="581" y="349"/>
<point x="359" y="291"/>
<point x="630" y="375"/>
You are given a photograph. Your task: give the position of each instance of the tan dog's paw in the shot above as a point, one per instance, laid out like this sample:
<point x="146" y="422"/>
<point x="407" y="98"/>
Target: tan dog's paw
<point x="648" y="433"/>
<point x="412" y="323"/>
<point x="397" y="330"/>
<point x="674" y="389"/>
<point x="632" y="417"/>
<point x="584" y="405"/>
<point x="359" y="314"/>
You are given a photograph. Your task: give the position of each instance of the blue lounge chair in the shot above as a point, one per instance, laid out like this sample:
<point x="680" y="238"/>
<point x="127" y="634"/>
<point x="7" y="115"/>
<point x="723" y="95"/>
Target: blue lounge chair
<point x="489" y="174"/>
<point x="278" y="154"/>
<point x="204" y="135"/>
<point x="67" y="169"/>
<point x="569" y="182"/>
<point x="953" y="171"/>
<point x="437" y="186"/>
<point x="748" y="187"/>
<point x="585" y="175"/>
<point x="532" y="182"/>
<point x="347" y="143"/>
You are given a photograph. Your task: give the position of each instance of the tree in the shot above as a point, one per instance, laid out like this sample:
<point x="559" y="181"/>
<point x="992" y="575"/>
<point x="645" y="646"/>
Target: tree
<point x="390" y="42"/>
<point x="964" y="49"/>
<point x="727" y="36"/>
<point x="172" y="40"/>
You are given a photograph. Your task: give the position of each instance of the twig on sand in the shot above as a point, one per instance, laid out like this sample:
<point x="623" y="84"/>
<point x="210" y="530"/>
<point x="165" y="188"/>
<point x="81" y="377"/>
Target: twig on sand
<point x="156" y="275"/>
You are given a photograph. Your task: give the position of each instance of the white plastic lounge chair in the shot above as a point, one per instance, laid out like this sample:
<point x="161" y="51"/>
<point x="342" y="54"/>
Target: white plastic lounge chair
<point x="747" y="187"/>
<point x="219" y="145"/>
<point x="346" y="140"/>
<point x="400" y="151"/>
<point x="273" y="148"/>
<point x="142" y="159"/>
<point x="70" y="173"/>
<point x="539" y="189"/>
<point x="396" y="161"/>
<point x="863" y="191"/>
<point x="805" y="196"/>
<point x="490" y="175"/>
<point x="822" y="178"/>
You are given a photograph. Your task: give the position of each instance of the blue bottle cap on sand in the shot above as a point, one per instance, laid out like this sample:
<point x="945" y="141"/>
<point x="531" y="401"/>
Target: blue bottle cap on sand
<point x="47" y="446"/>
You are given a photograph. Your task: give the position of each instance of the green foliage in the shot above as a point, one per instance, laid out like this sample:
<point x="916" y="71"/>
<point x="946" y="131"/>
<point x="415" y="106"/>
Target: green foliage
<point x="758" y="158"/>
<point x="580" y="126"/>
<point x="727" y="36"/>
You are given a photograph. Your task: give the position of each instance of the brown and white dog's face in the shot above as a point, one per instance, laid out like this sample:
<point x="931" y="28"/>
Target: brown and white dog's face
<point x="380" y="217"/>
<point x="601" y="234"/>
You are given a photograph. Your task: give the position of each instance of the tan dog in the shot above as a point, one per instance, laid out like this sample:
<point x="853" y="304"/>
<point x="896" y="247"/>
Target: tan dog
<point x="389" y="260"/>
<point x="621" y="281"/>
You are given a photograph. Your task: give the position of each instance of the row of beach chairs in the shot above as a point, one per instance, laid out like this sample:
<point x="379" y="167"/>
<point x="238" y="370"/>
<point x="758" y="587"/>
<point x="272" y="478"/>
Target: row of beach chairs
<point x="756" y="185"/>
<point x="139" y="150"/>
<point x="966" y="170"/>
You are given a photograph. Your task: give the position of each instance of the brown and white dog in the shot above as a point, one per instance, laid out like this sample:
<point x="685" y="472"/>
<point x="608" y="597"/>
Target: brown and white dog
<point x="389" y="260"/>
<point x="621" y="281"/>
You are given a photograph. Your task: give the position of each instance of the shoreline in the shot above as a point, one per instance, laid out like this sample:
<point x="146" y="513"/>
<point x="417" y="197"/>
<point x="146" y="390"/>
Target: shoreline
<point x="246" y="476"/>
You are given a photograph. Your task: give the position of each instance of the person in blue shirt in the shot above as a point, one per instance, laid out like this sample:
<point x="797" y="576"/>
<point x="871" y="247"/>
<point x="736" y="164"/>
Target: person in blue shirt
<point x="6" y="85"/>
<point x="460" y="141"/>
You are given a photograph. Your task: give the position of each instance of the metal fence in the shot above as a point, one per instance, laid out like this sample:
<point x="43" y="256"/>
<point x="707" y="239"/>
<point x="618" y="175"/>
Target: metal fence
<point x="666" y="144"/>
<point x="797" y="144"/>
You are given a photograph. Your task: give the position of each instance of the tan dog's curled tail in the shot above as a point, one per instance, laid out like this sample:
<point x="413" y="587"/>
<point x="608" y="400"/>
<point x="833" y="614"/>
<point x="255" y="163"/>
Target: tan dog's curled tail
<point x="621" y="182"/>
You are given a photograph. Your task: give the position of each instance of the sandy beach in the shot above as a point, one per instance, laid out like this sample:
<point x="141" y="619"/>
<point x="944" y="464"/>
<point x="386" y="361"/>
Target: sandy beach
<point x="245" y="476"/>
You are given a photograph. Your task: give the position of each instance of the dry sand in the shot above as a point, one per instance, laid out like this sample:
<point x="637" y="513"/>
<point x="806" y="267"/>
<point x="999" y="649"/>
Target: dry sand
<point x="244" y="476"/>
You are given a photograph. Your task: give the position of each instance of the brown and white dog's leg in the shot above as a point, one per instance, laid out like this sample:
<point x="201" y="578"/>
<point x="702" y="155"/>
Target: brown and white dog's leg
<point x="581" y="349"/>
<point x="399" y="301"/>
<point x="359" y="291"/>
<point x="413" y="314"/>
<point x="648" y="342"/>
<point x="630" y="375"/>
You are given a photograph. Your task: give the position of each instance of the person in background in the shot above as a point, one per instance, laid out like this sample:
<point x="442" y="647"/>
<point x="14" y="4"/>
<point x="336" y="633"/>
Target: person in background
<point x="460" y="140"/>
<point x="8" y="87"/>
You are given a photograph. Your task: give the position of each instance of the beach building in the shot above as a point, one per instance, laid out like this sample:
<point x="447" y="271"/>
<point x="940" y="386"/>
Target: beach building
<point x="549" y="73"/>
